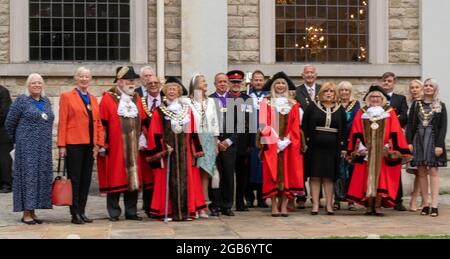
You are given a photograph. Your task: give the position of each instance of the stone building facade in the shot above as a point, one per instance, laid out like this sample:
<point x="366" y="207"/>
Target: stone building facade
<point x="247" y="42"/>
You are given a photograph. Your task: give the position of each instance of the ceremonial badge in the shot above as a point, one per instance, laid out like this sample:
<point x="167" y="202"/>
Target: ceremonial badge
<point x="89" y="107"/>
<point x="224" y="110"/>
<point x="375" y="126"/>
<point x="44" y="116"/>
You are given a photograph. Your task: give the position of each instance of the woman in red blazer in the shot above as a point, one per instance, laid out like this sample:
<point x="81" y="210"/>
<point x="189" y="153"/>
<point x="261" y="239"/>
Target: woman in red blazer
<point x="80" y="135"/>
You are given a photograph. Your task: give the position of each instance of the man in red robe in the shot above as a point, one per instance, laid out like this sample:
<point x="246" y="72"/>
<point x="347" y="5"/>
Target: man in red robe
<point x="121" y="112"/>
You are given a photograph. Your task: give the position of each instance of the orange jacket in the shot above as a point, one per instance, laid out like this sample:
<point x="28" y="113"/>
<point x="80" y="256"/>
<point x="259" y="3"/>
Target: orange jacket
<point x="73" y="126"/>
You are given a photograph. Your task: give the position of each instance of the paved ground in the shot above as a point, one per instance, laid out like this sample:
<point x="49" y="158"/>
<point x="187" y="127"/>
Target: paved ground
<point x="255" y="224"/>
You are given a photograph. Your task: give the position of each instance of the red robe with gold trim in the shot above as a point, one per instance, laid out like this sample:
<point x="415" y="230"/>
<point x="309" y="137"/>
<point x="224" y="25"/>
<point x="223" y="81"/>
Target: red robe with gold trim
<point x="185" y="189"/>
<point x="148" y="181"/>
<point x="112" y="173"/>
<point x="388" y="169"/>
<point x="290" y="161"/>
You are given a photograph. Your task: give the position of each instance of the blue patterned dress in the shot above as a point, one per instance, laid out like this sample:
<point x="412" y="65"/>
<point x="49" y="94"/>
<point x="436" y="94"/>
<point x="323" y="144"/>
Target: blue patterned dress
<point x="32" y="134"/>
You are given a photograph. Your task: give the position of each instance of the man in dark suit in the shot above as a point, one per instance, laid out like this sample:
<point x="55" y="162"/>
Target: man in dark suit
<point x="145" y="76"/>
<point x="242" y="111"/>
<point x="399" y="103"/>
<point x="306" y="94"/>
<point x="150" y="91"/>
<point x="6" y="144"/>
<point x="222" y="198"/>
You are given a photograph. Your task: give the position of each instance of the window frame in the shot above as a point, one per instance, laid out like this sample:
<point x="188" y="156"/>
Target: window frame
<point x="20" y="33"/>
<point x="378" y="43"/>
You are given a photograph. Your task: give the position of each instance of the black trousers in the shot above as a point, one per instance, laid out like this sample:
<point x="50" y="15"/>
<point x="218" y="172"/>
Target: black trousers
<point x="399" y="199"/>
<point x="222" y="198"/>
<point x="130" y="201"/>
<point x="79" y="161"/>
<point x="5" y="165"/>
<point x="147" y="196"/>
<point x="250" y="195"/>
<point x="242" y="174"/>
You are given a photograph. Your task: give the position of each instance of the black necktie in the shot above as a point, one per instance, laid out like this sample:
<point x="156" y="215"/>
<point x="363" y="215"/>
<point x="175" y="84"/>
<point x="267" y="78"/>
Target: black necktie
<point x="154" y="104"/>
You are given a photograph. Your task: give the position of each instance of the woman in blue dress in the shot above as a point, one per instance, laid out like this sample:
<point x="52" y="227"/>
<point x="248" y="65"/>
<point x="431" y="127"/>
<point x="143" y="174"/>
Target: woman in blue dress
<point x="29" y="123"/>
<point x="351" y="106"/>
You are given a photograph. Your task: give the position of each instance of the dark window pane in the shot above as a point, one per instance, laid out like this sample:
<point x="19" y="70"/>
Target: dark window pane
<point x="321" y="30"/>
<point x="80" y="30"/>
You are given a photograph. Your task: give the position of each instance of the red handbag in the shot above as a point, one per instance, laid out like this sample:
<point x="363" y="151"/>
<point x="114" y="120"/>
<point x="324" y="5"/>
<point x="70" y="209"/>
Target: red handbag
<point x="62" y="188"/>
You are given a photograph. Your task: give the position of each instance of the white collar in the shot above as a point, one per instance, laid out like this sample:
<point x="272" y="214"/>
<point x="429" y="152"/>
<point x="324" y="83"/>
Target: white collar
<point x="313" y="86"/>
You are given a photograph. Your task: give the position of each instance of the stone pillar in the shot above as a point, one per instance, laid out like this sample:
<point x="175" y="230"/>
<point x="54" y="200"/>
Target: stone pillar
<point x="435" y="50"/>
<point x="204" y="39"/>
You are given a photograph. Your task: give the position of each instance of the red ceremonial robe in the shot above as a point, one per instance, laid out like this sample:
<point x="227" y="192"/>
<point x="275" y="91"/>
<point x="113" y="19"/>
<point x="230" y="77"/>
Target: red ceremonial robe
<point x="387" y="169"/>
<point x="282" y="172"/>
<point x="146" y="167"/>
<point x="112" y="175"/>
<point x="185" y="189"/>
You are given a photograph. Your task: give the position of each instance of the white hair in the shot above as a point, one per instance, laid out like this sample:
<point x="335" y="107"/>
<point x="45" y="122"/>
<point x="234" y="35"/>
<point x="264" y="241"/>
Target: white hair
<point x="147" y="68"/>
<point x="81" y="70"/>
<point x="436" y="105"/>
<point x="29" y="80"/>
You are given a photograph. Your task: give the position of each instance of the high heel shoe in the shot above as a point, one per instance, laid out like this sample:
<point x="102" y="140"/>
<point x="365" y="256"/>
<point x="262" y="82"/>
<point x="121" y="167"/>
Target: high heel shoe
<point x="425" y="211"/>
<point x="314" y="213"/>
<point x="434" y="212"/>
<point x="330" y="213"/>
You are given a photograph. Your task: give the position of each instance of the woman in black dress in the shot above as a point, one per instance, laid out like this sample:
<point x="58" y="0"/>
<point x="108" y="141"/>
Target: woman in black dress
<point x="324" y="125"/>
<point x="427" y="128"/>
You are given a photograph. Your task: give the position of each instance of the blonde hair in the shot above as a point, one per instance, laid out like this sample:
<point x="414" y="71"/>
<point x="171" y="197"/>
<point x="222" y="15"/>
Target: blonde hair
<point x="436" y="105"/>
<point x="417" y="81"/>
<point x="385" y="101"/>
<point x="166" y="86"/>
<point x="286" y="93"/>
<point x="346" y="85"/>
<point x="30" y="79"/>
<point x="80" y="70"/>
<point x="329" y="86"/>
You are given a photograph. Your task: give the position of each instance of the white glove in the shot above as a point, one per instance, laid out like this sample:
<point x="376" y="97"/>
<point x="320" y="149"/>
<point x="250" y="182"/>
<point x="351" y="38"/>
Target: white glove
<point x="142" y="142"/>
<point x="283" y="144"/>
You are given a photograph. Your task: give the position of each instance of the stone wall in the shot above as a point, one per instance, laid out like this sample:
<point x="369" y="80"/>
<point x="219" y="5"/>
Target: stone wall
<point x="4" y="31"/>
<point x="173" y="31"/>
<point x="404" y="31"/>
<point x="243" y="31"/>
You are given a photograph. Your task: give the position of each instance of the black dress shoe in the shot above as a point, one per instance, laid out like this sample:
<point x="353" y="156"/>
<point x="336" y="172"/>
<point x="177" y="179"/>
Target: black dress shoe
<point x="242" y="208"/>
<point x="114" y="219"/>
<point x="135" y="218"/>
<point x="215" y="213"/>
<point x="38" y="221"/>
<point x="262" y="204"/>
<point x="86" y="219"/>
<point x="400" y="207"/>
<point x="76" y="219"/>
<point x="228" y="212"/>
<point x="250" y="204"/>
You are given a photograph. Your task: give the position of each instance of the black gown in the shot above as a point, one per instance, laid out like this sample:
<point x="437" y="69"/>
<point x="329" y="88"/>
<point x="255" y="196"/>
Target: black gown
<point x="325" y="140"/>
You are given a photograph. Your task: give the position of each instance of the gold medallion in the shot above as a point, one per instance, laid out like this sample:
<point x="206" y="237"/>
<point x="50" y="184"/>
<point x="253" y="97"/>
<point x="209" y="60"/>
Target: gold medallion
<point x="224" y="110"/>
<point x="375" y="126"/>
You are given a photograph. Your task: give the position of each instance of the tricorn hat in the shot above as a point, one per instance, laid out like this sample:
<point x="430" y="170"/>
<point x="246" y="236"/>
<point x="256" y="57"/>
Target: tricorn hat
<point x="172" y="79"/>
<point x="268" y="85"/>
<point x="376" y="88"/>
<point x="125" y="72"/>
